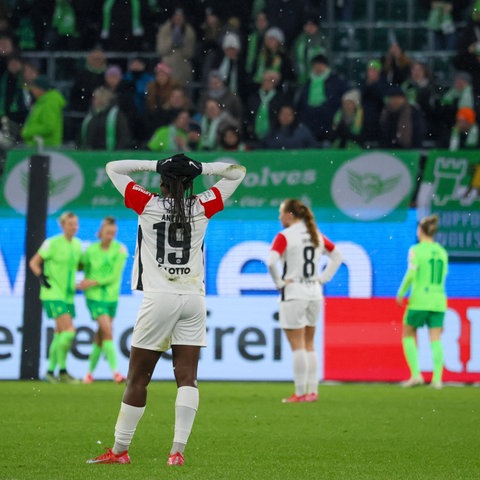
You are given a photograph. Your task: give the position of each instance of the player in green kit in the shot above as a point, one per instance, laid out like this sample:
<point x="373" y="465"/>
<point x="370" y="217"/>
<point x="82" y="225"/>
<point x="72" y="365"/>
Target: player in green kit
<point x="103" y="263"/>
<point x="425" y="277"/>
<point x="55" y="264"/>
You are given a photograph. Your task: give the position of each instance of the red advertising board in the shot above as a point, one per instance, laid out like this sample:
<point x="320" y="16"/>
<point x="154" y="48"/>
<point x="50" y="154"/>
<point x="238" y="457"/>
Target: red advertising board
<point x="363" y="341"/>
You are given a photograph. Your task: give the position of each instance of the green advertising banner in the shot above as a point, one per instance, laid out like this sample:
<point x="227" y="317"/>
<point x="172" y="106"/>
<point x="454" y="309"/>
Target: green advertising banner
<point x="363" y="186"/>
<point x="445" y="191"/>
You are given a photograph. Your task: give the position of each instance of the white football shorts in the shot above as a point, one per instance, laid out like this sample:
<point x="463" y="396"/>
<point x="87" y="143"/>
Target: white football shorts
<point x="295" y="314"/>
<point x="166" y="319"/>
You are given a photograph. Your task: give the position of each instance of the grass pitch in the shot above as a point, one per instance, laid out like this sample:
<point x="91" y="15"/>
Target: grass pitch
<point x="242" y="431"/>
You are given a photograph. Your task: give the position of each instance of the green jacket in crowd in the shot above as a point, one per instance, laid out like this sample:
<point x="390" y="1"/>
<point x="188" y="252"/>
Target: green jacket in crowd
<point x="45" y="120"/>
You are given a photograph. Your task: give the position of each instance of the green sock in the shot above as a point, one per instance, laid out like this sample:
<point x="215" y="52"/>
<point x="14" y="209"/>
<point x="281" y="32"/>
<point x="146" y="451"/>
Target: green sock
<point x="52" y="353"/>
<point x="437" y="356"/>
<point x="411" y="355"/>
<point x="109" y="349"/>
<point x="64" y="344"/>
<point x="94" y="357"/>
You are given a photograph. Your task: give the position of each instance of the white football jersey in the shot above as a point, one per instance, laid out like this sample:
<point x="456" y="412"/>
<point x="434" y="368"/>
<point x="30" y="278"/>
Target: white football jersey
<point x="300" y="259"/>
<point x="167" y="258"/>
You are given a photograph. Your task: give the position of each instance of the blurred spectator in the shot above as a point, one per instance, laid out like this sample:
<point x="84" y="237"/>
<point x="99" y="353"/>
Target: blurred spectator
<point x="178" y="100"/>
<point x="44" y="123"/>
<point x="229" y="62"/>
<point x="347" y="127"/>
<point x="214" y="120"/>
<point x="105" y="127"/>
<point x="89" y="14"/>
<point x="231" y="140"/>
<point x="263" y="106"/>
<point x="29" y="20"/>
<point x="217" y="90"/>
<point x="288" y="133"/>
<point x="5" y="15"/>
<point x="342" y="10"/>
<point x="62" y="32"/>
<point x="310" y="43"/>
<point x="421" y="91"/>
<point x="255" y="41"/>
<point x="122" y="25"/>
<point x="12" y="101"/>
<point x="7" y="47"/>
<point x="158" y="93"/>
<point x="320" y="98"/>
<point x="176" y="44"/>
<point x="211" y="31"/>
<point x="468" y="51"/>
<point x="138" y="75"/>
<point x="287" y="16"/>
<point x="273" y="57"/>
<point x="459" y="95"/>
<point x="441" y="20"/>
<point x="395" y="65"/>
<point x="401" y="124"/>
<point x="173" y="137"/>
<point x="87" y="80"/>
<point x="194" y="136"/>
<point x="124" y="92"/>
<point x="464" y="134"/>
<point x="31" y="70"/>
<point x="373" y="92"/>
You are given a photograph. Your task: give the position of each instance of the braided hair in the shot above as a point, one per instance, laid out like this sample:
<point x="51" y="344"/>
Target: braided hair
<point x="299" y="210"/>
<point x="178" y="198"/>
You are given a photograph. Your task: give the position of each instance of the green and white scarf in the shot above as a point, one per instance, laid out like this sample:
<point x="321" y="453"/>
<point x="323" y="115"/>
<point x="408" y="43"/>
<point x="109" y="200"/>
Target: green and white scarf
<point x="316" y="91"/>
<point x="110" y="129"/>
<point x="64" y="19"/>
<point x="107" y="16"/>
<point x="262" y="119"/>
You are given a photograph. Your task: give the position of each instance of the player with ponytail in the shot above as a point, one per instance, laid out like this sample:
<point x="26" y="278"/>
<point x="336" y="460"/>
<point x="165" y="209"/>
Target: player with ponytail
<point x="298" y="247"/>
<point x="427" y="304"/>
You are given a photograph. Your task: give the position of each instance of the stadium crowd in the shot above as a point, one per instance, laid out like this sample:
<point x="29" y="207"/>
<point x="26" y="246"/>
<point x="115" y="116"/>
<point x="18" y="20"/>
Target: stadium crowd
<point x="198" y="76"/>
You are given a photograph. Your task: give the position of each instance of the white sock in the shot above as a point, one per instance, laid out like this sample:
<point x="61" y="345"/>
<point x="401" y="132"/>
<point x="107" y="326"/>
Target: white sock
<point x="300" y="371"/>
<point x="312" y="372"/>
<point x="127" y="422"/>
<point x="186" y="406"/>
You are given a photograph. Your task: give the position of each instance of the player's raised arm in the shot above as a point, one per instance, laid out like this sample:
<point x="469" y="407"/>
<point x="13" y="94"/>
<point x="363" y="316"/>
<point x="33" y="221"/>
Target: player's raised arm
<point x="119" y="171"/>
<point x="232" y="174"/>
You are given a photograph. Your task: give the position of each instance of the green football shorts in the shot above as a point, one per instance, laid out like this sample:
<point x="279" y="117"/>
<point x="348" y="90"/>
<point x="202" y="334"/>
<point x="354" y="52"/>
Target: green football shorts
<point x="55" y="308"/>
<point x="419" y="318"/>
<point x="97" y="308"/>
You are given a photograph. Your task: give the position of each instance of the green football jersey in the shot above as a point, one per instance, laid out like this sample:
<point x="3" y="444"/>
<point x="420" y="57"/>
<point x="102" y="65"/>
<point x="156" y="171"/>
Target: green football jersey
<point x="106" y="267"/>
<point x="60" y="264"/>
<point x="426" y="274"/>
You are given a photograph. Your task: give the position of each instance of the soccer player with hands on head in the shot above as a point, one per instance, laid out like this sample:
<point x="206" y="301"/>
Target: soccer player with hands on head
<point x="425" y="278"/>
<point x="55" y="264"/>
<point x="169" y="269"/>
<point x="298" y="247"/>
